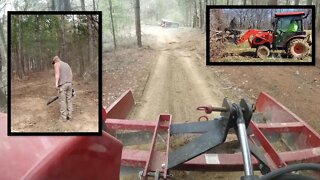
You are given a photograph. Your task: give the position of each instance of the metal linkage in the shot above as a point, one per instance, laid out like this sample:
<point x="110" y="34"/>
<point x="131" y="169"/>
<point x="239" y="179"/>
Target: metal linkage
<point x="242" y="135"/>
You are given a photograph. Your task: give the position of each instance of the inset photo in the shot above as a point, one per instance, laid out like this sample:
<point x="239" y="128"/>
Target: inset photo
<point x="261" y="35"/>
<point x="54" y="73"/>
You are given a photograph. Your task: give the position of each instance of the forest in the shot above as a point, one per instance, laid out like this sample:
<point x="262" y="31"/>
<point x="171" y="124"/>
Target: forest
<point x="122" y="29"/>
<point x="35" y="39"/>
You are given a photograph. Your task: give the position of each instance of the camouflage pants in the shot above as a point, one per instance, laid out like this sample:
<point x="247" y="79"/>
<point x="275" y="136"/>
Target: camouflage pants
<point x="65" y="95"/>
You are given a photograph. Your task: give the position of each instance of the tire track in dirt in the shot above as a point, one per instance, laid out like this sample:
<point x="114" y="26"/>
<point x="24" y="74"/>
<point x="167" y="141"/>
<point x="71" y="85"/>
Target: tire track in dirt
<point x="175" y="86"/>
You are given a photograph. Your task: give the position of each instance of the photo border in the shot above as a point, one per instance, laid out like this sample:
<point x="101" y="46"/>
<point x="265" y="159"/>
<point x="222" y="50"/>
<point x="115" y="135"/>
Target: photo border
<point x="313" y="14"/>
<point x="100" y="125"/>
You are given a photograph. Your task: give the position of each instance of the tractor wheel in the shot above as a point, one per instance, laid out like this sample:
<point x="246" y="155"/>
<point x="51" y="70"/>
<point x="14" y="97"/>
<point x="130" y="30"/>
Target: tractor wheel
<point x="263" y="52"/>
<point x="298" y="49"/>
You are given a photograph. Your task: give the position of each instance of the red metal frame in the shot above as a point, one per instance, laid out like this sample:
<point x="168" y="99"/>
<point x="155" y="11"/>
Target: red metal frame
<point x="49" y="157"/>
<point x="282" y="121"/>
<point x="289" y="14"/>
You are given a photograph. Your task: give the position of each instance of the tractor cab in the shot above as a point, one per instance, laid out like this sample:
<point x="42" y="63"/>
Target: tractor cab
<point x="287" y="26"/>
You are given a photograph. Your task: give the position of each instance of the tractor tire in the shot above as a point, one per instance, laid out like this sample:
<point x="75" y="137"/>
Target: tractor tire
<point x="298" y="48"/>
<point x="263" y="52"/>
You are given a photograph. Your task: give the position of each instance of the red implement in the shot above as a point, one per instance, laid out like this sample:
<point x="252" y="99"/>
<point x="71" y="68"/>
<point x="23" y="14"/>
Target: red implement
<point x="45" y="157"/>
<point x="302" y="143"/>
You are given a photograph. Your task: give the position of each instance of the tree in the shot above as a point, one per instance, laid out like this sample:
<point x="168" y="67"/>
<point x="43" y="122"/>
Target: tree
<point x="272" y="2"/>
<point x="37" y="38"/>
<point x="137" y="22"/>
<point x="19" y="51"/>
<point x="94" y="5"/>
<point x="90" y="38"/>
<point x="309" y="2"/>
<point x="201" y="14"/>
<point x="296" y="2"/>
<point x="83" y="6"/>
<point x="112" y="26"/>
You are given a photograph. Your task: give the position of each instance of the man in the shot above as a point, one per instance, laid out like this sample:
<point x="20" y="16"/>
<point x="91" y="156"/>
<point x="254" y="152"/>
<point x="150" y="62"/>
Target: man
<point x="63" y="79"/>
<point x="293" y="27"/>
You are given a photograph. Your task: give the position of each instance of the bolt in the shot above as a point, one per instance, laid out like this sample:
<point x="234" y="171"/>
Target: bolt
<point x="163" y="166"/>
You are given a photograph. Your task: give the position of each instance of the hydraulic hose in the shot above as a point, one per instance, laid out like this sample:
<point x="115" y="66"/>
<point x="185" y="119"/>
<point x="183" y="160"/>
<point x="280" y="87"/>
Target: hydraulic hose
<point x="290" y="168"/>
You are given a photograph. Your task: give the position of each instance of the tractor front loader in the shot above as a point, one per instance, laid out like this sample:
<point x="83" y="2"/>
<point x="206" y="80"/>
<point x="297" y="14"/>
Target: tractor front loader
<point x="288" y="35"/>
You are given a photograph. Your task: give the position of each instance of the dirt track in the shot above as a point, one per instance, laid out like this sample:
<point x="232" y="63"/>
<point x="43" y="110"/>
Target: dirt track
<point x="176" y="85"/>
<point x="30" y="113"/>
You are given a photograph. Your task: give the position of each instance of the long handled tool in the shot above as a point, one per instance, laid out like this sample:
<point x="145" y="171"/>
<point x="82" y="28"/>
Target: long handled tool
<point x="57" y="97"/>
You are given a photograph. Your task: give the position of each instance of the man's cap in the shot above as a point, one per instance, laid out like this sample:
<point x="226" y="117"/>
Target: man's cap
<point x="54" y="58"/>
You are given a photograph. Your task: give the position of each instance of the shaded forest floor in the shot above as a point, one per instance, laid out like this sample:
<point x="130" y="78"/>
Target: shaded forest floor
<point x="30" y="113"/>
<point x="169" y="75"/>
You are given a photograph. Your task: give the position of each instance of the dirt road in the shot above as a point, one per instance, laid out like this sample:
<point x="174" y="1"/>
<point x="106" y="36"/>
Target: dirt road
<point x="176" y="85"/>
<point x="30" y="113"/>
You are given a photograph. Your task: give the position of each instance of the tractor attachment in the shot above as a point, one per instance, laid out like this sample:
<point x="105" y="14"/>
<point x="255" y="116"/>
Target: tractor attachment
<point x="270" y="137"/>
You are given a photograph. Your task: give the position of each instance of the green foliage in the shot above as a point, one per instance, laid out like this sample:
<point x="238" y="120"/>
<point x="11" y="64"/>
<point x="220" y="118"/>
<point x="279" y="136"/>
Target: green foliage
<point x="44" y="36"/>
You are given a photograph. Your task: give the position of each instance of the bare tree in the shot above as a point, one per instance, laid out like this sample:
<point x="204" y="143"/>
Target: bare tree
<point x="112" y="25"/>
<point x="67" y="5"/>
<point x="18" y="63"/>
<point x="272" y="2"/>
<point x="83" y="6"/>
<point x="90" y="38"/>
<point x="200" y="14"/>
<point x="94" y="5"/>
<point x="137" y="21"/>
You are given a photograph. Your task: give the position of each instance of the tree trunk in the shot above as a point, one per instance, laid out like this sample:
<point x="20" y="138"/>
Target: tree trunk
<point x="112" y="26"/>
<point x="53" y="5"/>
<point x="83" y="6"/>
<point x="200" y="14"/>
<point x="67" y="5"/>
<point x="62" y="29"/>
<point x="296" y="2"/>
<point x="3" y="54"/>
<point x="94" y="5"/>
<point x="309" y="2"/>
<point x="272" y="2"/>
<point x="90" y="38"/>
<point x="244" y="2"/>
<point x="18" y="62"/>
<point x="204" y="14"/>
<point x="287" y="2"/>
<point x="137" y="21"/>
<point x="195" y="16"/>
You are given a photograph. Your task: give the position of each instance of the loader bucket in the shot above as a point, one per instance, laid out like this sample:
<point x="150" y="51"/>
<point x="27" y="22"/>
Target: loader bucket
<point x="57" y="157"/>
